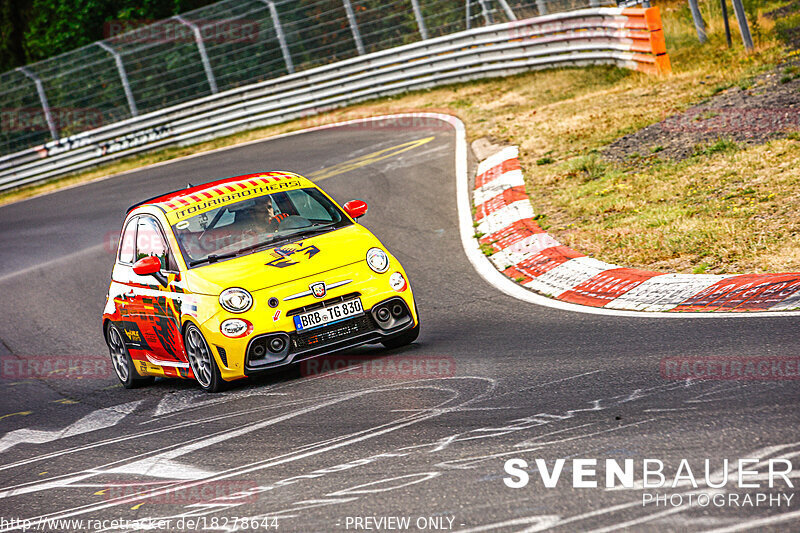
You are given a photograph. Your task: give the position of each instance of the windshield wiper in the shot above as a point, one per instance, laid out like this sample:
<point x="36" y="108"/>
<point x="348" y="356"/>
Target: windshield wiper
<point x="257" y="245"/>
<point x="213" y="258"/>
<point x="299" y="232"/>
<point x="313" y="229"/>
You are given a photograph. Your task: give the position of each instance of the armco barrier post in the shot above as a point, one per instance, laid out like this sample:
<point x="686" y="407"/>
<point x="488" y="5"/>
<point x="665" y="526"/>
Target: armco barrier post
<point x="724" y="7"/>
<point x="699" y="23"/>
<point x="123" y="76"/>
<point x="507" y="8"/>
<point x="351" y="18"/>
<point x="423" y="31"/>
<point x="276" y="23"/>
<point x="744" y="28"/>
<point x="201" y="47"/>
<point x="487" y="14"/>
<point x="43" y="100"/>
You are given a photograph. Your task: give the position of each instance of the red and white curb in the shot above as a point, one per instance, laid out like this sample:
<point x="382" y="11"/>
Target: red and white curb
<point x="522" y="251"/>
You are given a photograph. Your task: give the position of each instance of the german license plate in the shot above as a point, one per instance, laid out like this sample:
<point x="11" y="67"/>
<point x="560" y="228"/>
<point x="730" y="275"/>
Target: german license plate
<point x="328" y="315"/>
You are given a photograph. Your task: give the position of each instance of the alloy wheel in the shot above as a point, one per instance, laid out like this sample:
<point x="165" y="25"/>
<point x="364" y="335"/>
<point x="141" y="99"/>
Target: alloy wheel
<point x="119" y="357"/>
<point x="199" y="356"/>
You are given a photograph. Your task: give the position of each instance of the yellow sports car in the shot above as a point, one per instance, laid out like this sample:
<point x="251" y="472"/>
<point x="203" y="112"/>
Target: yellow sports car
<point x="219" y="281"/>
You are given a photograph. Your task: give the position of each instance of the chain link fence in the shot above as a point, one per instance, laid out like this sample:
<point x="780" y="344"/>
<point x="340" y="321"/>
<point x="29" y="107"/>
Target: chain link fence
<point x="144" y="68"/>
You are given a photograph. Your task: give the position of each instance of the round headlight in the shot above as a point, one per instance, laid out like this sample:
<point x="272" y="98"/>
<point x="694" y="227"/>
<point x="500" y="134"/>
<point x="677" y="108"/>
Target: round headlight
<point x="234" y="327"/>
<point x="378" y="260"/>
<point x="235" y="300"/>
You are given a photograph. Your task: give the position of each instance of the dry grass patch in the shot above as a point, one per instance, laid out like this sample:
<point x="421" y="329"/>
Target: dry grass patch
<point x="734" y="211"/>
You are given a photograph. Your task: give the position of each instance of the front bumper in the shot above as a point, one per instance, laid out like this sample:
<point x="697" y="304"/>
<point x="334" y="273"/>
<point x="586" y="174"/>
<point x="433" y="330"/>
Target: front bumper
<point x="299" y="346"/>
<point x="240" y="357"/>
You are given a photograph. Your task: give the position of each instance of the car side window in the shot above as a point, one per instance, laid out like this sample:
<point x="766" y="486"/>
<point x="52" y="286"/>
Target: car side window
<point x="150" y="241"/>
<point x="127" y="249"/>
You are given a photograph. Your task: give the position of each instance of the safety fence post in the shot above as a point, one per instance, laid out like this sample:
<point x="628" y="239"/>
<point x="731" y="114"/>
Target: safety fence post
<point x="201" y="47"/>
<point x="276" y="23"/>
<point x="123" y="76"/>
<point x="699" y="23"/>
<point x="423" y="31"/>
<point x="351" y="18"/>
<point x="43" y="99"/>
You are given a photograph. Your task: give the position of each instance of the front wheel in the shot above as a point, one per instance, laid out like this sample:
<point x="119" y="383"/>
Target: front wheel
<point x="122" y="362"/>
<point x="204" y="367"/>
<point x="407" y="337"/>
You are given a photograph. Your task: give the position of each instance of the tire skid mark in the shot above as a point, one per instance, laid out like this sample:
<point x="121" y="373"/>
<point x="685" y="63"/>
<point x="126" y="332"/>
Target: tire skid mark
<point x="163" y="452"/>
<point x="94" y="421"/>
<point x="212" y="418"/>
<point x="271" y="462"/>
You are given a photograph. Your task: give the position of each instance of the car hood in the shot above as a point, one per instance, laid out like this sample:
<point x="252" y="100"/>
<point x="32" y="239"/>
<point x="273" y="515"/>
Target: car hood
<point x="285" y="262"/>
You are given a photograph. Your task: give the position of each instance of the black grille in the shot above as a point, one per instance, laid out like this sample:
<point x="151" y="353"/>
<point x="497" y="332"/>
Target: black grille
<point x="323" y="303"/>
<point x="341" y="331"/>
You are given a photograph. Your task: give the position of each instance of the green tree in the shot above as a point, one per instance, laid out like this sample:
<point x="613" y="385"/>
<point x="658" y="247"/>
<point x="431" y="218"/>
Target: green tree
<point x="32" y="30"/>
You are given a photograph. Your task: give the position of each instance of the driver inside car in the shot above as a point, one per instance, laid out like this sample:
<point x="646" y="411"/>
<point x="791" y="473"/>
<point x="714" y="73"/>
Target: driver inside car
<point x="273" y="219"/>
<point x="261" y="217"/>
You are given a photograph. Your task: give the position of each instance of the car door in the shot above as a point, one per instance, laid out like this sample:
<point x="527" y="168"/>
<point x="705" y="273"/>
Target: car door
<point x="157" y="305"/>
<point x="126" y="298"/>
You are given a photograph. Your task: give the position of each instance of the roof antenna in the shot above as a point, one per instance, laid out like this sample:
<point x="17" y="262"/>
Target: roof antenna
<point x="189" y="185"/>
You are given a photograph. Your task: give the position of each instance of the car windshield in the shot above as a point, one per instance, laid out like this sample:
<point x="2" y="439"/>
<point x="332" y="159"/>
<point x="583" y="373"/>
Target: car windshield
<point x="256" y="222"/>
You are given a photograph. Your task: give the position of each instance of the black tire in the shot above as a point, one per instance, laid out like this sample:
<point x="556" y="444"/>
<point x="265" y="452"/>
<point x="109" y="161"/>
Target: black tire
<point x="407" y="337"/>
<point x="201" y="359"/>
<point x="121" y="360"/>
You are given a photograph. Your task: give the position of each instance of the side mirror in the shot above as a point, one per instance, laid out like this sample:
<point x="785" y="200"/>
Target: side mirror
<point x="150" y="266"/>
<point x="355" y="208"/>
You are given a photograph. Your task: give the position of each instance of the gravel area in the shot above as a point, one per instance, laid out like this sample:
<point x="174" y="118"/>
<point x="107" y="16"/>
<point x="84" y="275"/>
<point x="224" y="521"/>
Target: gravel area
<point x="768" y="109"/>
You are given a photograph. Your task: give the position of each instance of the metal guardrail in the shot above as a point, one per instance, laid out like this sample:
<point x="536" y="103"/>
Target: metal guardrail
<point x="629" y="38"/>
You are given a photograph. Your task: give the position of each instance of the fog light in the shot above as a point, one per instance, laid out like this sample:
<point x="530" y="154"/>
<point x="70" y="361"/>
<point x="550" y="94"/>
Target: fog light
<point x="259" y="350"/>
<point x="397" y="310"/>
<point x="235" y="327"/>
<point x="277" y="344"/>
<point x="397" y="282"/>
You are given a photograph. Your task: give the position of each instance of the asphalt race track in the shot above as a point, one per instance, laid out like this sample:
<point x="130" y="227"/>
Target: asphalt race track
<point x="505" y="379"/>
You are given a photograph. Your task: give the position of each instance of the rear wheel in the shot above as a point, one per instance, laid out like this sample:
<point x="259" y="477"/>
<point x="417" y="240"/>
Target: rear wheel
<point x="407" y="337"/>
<point x="204" y="367"/>
<point x="122" y="362"/>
